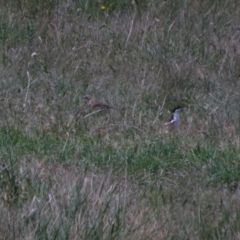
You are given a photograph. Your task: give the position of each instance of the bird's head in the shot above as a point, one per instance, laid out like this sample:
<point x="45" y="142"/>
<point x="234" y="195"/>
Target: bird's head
<point x="176" y="109"/>
<point x="87" y="98"/>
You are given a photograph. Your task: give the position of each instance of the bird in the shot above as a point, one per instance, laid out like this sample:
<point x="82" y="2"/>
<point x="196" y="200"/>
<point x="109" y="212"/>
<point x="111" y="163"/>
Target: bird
<point x="93" y="102"/>
<point x="175" y="118"/>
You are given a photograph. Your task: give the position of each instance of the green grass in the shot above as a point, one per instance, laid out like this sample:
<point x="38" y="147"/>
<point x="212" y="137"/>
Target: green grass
<point x="68" y="172"/>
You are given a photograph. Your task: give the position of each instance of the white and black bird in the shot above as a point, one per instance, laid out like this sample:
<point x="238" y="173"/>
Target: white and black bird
<point x="175" y="118"/>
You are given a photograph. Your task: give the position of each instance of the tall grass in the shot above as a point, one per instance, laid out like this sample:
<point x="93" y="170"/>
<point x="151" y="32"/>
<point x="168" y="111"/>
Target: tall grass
<point x="69" y="171"/>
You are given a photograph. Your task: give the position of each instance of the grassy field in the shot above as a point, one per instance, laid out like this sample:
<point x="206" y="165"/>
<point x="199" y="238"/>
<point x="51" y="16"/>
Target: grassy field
<point x="69" y="171"/>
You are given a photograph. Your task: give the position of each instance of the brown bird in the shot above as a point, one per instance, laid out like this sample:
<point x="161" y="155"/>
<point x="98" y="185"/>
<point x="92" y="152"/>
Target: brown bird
<point x="93" y="102"/>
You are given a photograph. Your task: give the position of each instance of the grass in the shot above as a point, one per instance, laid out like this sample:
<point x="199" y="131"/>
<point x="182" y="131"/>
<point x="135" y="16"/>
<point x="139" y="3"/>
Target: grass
<point x="68" y="172"/>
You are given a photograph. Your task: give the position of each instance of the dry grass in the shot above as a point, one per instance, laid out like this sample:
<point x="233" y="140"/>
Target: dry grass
<point x="66" y="201"/>
<point x="79" y="204"/>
